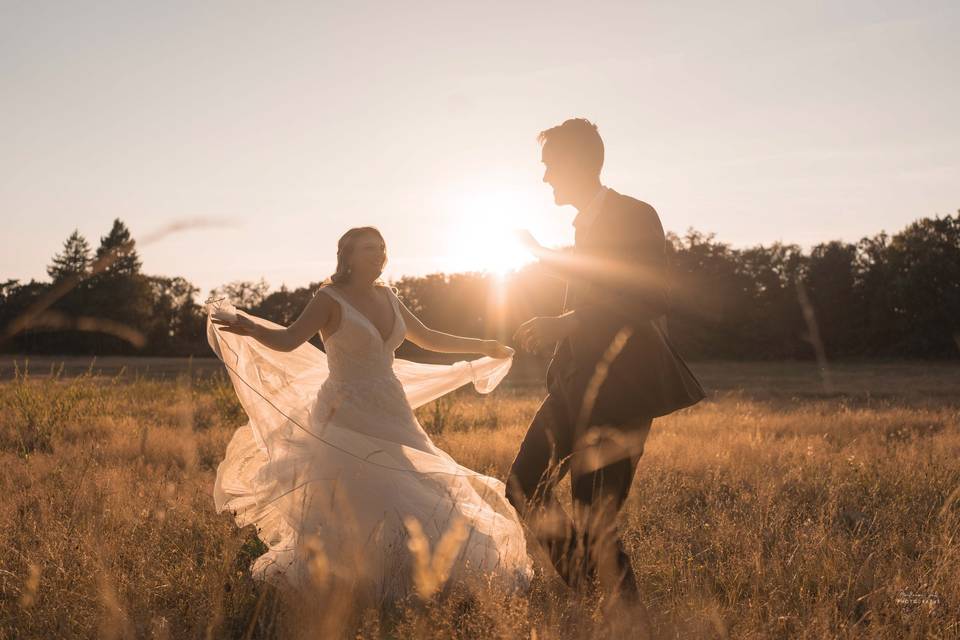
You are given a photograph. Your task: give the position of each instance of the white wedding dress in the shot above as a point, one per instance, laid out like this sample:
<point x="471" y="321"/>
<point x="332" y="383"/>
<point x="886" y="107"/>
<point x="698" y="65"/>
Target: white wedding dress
<point x="333" y="464"/>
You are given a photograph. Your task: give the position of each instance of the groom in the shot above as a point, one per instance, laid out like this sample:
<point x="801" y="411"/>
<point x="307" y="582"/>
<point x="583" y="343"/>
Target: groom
<point x="613" y="369"/>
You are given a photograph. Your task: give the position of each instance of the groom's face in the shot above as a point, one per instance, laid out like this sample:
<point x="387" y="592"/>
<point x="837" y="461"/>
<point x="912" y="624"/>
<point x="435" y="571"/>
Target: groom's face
<point x="562" y="172"/>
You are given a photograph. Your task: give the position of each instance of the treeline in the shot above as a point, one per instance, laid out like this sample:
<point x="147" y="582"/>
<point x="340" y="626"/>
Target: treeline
<point x="100" y="302"/>
<point x="884" y="296"/>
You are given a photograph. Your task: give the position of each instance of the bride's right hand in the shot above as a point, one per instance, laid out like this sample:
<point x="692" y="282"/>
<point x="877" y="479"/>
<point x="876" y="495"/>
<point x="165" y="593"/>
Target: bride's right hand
<point x="240" y="325"/>
<point x="497" y="350"/>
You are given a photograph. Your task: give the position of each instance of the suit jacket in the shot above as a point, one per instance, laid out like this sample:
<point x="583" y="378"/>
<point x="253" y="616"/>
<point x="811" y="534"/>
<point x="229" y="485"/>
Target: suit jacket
<point x="617" y="284"/>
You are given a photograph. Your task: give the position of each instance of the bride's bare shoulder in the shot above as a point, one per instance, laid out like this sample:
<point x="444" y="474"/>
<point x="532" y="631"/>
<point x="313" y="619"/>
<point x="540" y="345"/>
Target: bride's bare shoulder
<point x="328" y="309"/>
<point x="326" y="296"/>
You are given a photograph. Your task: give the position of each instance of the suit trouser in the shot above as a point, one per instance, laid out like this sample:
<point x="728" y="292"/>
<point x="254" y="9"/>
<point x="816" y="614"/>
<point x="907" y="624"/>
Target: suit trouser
<point x="602" y="461"/>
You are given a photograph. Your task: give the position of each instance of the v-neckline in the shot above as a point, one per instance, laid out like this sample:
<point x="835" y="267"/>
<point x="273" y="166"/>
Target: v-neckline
<point x="370" y="322"/>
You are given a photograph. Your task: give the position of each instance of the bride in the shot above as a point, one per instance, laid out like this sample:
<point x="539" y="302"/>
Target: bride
<point x="343" y="484"/>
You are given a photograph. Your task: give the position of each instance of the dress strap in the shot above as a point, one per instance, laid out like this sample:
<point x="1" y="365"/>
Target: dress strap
<point x="394" y="300"/>
<point x="330" y="291"/>
<point x="338" y="298"/>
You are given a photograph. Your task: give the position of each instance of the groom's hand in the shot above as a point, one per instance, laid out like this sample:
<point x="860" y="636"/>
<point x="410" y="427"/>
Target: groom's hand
<point x="530" y="243"/>
<point x="496" y="350"/>
<point x="542" y="333"/>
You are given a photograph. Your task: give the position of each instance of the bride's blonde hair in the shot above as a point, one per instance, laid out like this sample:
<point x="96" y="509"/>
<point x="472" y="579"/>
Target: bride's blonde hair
<point x="345" y="247"/>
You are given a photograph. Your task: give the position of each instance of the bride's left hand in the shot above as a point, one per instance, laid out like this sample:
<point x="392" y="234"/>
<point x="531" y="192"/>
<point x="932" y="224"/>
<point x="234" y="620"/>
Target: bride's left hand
<point x="496" y="350"/>
<point x="240" y="325"/>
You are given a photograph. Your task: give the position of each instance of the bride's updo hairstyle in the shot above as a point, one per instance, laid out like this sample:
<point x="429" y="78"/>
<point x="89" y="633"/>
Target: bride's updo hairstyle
<point x="345" y="247"/>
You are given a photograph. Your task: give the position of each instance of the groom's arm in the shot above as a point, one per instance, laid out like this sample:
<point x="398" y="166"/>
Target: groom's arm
<point x="629" y="280"/>
<point x="634" y="287"/>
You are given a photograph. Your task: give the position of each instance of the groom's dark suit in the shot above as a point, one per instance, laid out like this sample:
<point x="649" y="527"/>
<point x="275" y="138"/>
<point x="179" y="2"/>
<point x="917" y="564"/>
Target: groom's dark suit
<point x="603" y="392"/>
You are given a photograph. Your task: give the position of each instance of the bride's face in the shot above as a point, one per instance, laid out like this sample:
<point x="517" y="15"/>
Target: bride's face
<point x="369" y="256"/>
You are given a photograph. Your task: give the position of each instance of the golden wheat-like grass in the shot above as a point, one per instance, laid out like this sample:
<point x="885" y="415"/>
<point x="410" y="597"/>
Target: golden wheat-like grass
<point x="771" y="510"/>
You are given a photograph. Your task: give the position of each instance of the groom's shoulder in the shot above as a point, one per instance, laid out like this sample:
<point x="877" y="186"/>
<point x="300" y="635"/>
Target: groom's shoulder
<point x="629" y="203"/>
<point x="635" y="212"/>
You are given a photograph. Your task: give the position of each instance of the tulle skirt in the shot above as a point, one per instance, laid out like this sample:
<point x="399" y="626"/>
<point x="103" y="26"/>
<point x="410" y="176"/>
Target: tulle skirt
<point x="345" y="487"/>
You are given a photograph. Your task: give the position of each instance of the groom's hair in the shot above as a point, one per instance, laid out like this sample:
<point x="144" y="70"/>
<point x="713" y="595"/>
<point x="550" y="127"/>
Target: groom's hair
<point x="579" y="138"/>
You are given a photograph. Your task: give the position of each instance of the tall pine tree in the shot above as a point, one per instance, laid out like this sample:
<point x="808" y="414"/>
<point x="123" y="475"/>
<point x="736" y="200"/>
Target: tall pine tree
<point x="119" y="292"/>
<point x="118" y="250"/>
<point x="73" y="261"/>
<point x="69" y="270"/>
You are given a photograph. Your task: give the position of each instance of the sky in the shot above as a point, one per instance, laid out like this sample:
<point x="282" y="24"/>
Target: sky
<point x="272" y="128"/>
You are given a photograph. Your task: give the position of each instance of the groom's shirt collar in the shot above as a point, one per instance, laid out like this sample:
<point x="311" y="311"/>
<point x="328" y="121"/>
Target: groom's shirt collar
<point x="588" y="214"/>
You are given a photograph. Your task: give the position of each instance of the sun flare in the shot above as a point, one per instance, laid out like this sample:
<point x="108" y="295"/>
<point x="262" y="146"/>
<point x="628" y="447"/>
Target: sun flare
<point x="482" y="236"/>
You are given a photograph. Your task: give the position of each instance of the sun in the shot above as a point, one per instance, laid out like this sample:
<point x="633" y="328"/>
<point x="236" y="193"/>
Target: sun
<point x="482" y="234"/>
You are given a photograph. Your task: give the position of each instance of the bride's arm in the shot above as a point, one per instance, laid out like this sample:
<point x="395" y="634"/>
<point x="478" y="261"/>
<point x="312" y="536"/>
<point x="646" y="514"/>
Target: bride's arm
<point x="427" y="338"/>
<point x="313" y="317"/>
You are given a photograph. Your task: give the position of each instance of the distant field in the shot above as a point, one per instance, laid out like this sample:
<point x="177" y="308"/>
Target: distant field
<point x="128" y="367"/>
<point x="783" y="506"/>
<point x="765" y="379"/>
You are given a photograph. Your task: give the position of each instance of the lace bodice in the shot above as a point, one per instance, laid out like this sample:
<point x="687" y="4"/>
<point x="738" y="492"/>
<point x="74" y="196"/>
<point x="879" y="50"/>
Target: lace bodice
<point x="362" y="390"/>
<point x="356" y="352"/>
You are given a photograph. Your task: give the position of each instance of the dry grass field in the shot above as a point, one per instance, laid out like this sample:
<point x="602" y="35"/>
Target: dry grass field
<point x="779" y="508"/>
